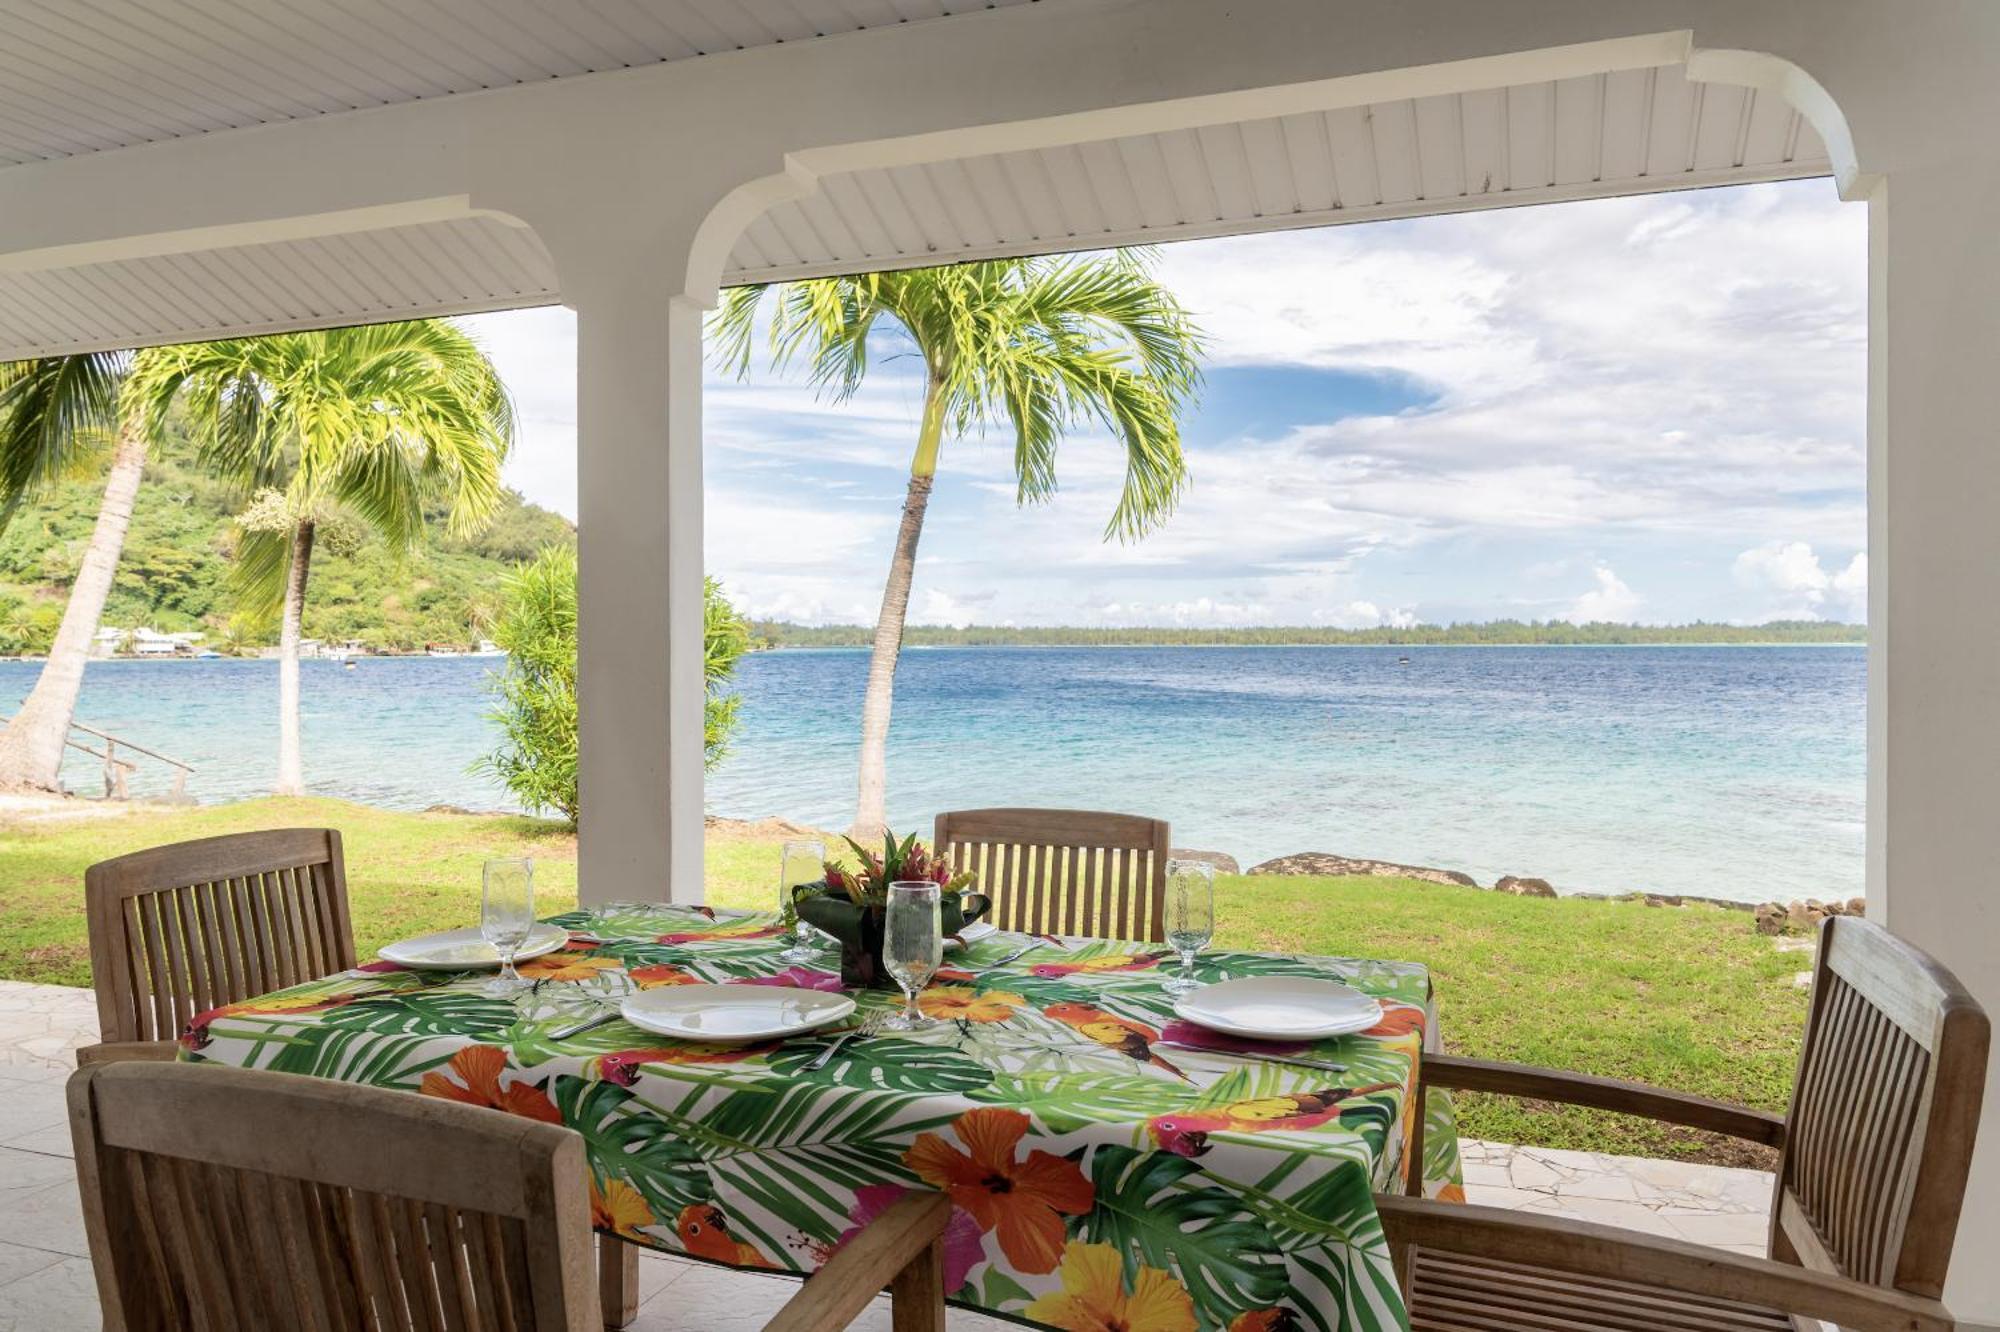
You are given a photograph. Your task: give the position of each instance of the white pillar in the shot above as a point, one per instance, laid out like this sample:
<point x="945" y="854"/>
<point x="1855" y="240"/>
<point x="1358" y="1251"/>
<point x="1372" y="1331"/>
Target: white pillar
<point x="1934" y="624"/>
<point x="639" y="659"/>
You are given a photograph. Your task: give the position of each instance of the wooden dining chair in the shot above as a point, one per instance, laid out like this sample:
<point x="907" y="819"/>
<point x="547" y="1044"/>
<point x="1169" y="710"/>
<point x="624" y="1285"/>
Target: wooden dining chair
<point x="177" y="930"/>
<point x="1873" y="1156"/>
<point x="224" y="1200"/>
<point x="1064" y="871"/>
<point x="229" y="1200"/>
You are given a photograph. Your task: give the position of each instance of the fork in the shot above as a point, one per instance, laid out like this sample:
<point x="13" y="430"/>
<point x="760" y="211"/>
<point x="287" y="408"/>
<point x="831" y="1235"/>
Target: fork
<point x="869" y="1027"/>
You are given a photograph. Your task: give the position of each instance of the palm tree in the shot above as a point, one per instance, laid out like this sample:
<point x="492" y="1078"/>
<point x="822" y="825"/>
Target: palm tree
<point x="58" y="415"/>
<point x="327" y="427"/>
<point x="1043" y="345"/>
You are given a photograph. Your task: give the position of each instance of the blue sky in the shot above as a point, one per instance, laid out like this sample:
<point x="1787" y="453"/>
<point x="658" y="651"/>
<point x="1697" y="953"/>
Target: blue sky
<point x="1644" y="409"/>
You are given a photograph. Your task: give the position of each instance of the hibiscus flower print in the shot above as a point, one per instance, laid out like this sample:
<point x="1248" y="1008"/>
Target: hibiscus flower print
<point x="1023" y="1202"/>
<point x="659" y="974"/>
<point x="474" y="1079"/>
<point x="566" y="966"/>
<point x="616" y="1207"/>
<point x="1094" y="1297"/>
<point x="963" y="1248"/>
<point x="962" y="1003"/>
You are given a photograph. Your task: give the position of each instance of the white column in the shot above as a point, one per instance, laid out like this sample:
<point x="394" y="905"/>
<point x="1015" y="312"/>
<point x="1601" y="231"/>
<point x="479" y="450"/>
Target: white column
<point x="639" y="659"/>
<point x="1934" y="620"/>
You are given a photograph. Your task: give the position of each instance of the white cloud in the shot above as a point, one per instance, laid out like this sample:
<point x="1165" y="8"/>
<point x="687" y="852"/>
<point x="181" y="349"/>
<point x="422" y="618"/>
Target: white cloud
<point x="1793" y="585"/>
<point x="1609" y="600"/>
<point x="1650" y="384"/>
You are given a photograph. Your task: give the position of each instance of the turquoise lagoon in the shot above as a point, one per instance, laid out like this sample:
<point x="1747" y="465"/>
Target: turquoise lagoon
<point x="1731" y="772"/>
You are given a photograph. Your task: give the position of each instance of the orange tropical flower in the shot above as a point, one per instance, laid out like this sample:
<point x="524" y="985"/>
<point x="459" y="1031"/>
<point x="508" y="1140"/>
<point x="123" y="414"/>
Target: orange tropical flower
<point x="661" y="973"/>
<point x="566" y="966"/>
<point x="479" y="1068"/>
<point x="1094" y="1298"/>
<point x="618" y="1208"/>
<point x="1023" y="1201"/>
<point x="955" y="1002"/>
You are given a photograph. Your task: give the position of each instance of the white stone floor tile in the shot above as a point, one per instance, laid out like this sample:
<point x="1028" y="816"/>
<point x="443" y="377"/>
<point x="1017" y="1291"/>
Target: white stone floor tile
<point x="18" y="1260"/>
<point x="59" y="1298"/>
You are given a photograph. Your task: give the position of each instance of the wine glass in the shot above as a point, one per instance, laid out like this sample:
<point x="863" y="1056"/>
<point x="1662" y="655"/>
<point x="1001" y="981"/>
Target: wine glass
<point x="912" y="944"/>
<point x="799" y="862"/>
<point x="1190" y="917"/>
<point x="506" y="915"/>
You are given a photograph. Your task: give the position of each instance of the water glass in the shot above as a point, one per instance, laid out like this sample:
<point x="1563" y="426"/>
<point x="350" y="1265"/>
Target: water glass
<point x="912" y="944"/>
<point x="1190" y="917"/>
<point x="799" y="862"/>
<point x="506" y="916"/>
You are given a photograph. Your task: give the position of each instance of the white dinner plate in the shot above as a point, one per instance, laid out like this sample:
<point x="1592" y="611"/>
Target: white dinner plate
<point x="730" y="1014"/>
<point x="971" y="934"/>
<point x="1280" y="1008"/>
<point x="464" y="950"/>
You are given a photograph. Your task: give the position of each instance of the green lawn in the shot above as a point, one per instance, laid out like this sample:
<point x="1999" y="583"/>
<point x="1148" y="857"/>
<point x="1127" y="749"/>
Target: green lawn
<point x="1689" y="997"/>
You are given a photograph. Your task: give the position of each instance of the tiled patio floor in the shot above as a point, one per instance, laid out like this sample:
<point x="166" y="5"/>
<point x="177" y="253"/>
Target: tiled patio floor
<point x="46" y="1283"/>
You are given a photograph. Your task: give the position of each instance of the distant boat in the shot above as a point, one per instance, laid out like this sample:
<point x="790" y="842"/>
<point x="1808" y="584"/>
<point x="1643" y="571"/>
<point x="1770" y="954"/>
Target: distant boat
<point x="1402" y="661"/>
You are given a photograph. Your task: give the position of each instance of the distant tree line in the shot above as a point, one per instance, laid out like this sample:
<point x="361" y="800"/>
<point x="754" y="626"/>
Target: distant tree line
<point x="1493" y="633"/>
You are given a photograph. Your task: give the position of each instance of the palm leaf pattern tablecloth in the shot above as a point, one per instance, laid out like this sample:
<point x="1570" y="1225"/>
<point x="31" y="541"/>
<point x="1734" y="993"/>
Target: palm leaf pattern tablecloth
<point x="1101" y="1177"/>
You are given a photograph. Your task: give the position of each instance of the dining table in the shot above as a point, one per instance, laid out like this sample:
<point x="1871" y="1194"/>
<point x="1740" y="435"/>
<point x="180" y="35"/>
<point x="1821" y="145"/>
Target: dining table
<point x="1110" y="1164"/>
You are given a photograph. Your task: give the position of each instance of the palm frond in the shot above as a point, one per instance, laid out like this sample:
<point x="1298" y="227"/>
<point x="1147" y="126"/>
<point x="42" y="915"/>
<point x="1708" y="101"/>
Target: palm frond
<point x="56" y="414"/>
<point x="1045" y="346"/>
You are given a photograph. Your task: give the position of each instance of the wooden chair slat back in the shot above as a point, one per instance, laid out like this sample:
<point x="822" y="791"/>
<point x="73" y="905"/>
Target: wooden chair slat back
<point x="1879" y="1136"/>
<point x="225" y="1200"/>
<point x="1065" y="871"/>
<point x="177" y="930"/>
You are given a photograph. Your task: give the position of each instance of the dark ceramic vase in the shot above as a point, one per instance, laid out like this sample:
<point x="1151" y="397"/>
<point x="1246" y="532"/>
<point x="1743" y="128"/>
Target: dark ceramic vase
<point x="858" y="927"/>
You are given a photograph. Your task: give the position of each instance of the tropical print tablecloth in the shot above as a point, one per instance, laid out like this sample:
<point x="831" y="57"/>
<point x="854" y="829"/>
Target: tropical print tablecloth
<point x="1104" y="1175"/>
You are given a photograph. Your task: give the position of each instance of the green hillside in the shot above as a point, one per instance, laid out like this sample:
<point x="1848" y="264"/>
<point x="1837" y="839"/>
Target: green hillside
<point x="175" y="572"/>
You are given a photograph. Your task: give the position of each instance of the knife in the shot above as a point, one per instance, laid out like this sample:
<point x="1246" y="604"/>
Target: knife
<point x="1321" y="1065"/>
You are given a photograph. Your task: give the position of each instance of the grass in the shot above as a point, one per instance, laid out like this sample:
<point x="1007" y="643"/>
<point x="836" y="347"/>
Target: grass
<point x="1687" y="997"/>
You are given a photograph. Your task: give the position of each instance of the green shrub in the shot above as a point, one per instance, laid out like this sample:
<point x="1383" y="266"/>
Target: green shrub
<point x="536" y="696"/>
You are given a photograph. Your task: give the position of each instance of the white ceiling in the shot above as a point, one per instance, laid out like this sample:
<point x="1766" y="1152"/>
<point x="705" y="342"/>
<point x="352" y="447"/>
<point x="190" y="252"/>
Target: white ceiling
<point x="1633" y="130"/>
<point x="76" y="81"/>
<point x="80" y="76"/>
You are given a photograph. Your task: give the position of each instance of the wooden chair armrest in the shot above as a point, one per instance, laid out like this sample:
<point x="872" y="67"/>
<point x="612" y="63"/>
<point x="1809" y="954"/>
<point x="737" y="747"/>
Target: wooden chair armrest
<point x="112" y="1052"/>
<point x="1587" y="1249"/>
<point x="901" y="1248"/>
<point x="1631" y="1098"/>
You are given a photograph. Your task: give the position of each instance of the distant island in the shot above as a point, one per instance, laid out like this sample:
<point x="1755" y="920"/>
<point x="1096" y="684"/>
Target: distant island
<point x="1493" y="633"/>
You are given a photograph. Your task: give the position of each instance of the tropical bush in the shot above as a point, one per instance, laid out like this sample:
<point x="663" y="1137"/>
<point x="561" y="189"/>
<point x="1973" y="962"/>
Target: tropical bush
<point x="536" y="696"/>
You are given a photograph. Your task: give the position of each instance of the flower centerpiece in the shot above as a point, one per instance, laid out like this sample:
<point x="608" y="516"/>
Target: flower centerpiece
<point x="849" y="903"/>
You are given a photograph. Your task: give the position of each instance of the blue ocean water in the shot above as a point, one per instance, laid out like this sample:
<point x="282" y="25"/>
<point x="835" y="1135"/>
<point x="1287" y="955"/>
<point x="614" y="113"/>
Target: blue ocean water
<point x="1731" y="772"/>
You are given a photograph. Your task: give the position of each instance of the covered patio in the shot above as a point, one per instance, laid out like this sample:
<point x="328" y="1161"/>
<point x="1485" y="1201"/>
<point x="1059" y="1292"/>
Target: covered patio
<point x="241" y="170"/>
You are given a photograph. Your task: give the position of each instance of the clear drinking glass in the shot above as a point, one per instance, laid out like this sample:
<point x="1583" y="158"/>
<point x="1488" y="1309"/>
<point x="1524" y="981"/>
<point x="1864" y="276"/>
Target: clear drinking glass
<point x="799" y="862"/>
<point x="912" y="944"/>
<point x="1190" y="917"/>
<point x="506" y="915"/>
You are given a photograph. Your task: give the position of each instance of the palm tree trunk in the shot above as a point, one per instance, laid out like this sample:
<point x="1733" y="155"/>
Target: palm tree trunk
<point x="871" y="812"/>
<point x="291" y="768"/>
<point x="31" y="748"/>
